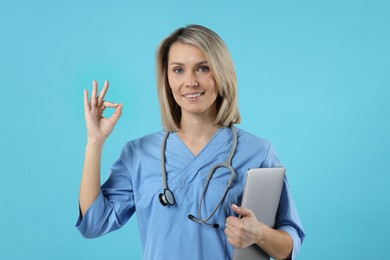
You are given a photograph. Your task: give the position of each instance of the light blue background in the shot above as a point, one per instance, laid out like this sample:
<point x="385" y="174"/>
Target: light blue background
<point x="314" y="78"/>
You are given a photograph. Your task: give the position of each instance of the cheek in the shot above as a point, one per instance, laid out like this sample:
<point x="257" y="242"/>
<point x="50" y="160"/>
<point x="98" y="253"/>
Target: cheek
<point x="210" y="81"/>
<point x="174" y="89"/>
<point x="169" y="82"/>
<point x="214" y="84"/>
<point x="173" y="81"/>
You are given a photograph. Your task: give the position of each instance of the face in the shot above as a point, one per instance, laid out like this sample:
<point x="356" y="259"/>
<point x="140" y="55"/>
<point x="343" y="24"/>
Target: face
<point x="191" y="80"/>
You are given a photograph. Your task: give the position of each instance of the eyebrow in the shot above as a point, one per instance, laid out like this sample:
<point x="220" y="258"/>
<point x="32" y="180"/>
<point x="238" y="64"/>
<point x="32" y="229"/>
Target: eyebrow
<point x="182" y="64"/>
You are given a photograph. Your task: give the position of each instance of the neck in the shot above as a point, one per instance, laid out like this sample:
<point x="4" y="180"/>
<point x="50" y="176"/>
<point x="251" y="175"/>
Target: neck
<point x="197" y="129"/>
<point x="199" y="125"/>
<point x="196" y="132"/>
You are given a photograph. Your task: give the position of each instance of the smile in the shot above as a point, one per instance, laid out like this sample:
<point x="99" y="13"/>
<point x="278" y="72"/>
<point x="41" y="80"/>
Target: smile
<point x="192" y="96"/>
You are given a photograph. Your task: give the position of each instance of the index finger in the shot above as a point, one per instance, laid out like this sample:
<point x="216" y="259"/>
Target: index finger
<point x="233" y="221"/>
<point x="103" y="93"/>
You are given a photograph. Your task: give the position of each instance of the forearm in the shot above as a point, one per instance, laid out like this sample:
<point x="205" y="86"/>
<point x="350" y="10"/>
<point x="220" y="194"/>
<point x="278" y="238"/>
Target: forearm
<point x="276" y="243"/>
<point x="90" y="180"/>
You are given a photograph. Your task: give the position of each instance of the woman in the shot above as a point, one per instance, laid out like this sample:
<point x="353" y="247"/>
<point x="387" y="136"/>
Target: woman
<point x="197" y="92"/>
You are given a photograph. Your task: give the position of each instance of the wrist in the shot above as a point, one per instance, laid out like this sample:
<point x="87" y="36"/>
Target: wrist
<point x="92" y="142"/>
<point x="263" y="234"/>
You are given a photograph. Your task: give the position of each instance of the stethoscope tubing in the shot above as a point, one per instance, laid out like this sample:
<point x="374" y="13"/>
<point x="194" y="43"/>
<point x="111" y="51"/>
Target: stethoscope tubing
<point x="170" y="200"/>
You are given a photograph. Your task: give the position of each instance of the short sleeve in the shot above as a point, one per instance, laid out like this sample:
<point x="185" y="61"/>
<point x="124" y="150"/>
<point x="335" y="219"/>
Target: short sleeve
<point x="287" y="218"/>
<point x="271" y="159"/>
<point x="114" y="204"/>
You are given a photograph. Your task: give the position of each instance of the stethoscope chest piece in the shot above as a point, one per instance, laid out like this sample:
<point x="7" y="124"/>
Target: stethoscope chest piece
<point x="167" y="198"/>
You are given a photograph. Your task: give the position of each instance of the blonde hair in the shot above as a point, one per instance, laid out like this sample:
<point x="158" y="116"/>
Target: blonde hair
<point x="221" y="65"/>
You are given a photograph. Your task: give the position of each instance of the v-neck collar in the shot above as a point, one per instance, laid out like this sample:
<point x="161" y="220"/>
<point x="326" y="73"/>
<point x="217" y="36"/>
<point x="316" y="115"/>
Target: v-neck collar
<point x="185" y="164"/>
<point x="188" y="151"/>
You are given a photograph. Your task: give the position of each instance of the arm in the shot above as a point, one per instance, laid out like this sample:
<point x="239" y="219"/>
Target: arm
<point x="282" y="242"/>
<point x="248" y="230"/>
<point x="98" y="129"/>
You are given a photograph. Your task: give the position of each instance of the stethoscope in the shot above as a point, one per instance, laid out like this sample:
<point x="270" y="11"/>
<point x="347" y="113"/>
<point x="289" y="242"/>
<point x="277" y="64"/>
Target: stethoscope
<point x="167" y="197"/>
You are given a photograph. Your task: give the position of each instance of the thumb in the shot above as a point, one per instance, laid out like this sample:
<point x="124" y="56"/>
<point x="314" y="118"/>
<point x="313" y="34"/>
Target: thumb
<point x="117" y="113"/>
<point x="244" y="212"/>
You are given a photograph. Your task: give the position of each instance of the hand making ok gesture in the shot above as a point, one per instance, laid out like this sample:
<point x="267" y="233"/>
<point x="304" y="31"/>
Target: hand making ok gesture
<point x="99" y="127"/>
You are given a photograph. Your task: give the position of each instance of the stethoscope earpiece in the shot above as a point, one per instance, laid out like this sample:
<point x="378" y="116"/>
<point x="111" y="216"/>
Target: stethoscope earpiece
<point x="167" y="198"/>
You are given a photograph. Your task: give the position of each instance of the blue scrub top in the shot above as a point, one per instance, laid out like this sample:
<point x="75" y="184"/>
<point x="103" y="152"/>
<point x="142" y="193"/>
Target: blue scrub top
<point x="135" y="183"/>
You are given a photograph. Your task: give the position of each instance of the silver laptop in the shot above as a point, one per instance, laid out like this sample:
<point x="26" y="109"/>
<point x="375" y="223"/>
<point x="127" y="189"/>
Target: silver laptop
<point x="262" y="191"/>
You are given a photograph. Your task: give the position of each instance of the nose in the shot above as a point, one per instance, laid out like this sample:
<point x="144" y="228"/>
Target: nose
<point x="191" y="81"/>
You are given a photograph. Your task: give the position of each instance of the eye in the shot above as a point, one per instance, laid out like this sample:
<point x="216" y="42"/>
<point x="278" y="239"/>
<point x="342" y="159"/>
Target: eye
<point x="178" y="70"/>
<point x="203" y="68"/>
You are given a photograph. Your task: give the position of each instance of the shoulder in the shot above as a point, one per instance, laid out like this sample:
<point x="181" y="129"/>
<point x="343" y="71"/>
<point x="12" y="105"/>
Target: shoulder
<point x="249" y="138"/>
<point x="145" y="143"/>
<point x="257" y="147"/>
<point x="150" y="139"/>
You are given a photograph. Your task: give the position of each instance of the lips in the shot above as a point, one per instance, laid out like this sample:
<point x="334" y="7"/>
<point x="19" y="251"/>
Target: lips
<point x="192" y="96"/>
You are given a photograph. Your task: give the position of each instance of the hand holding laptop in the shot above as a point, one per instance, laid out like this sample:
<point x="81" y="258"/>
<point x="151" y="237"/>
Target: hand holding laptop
<point x="254" y="228"/>
<point x="245" y="231"/>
